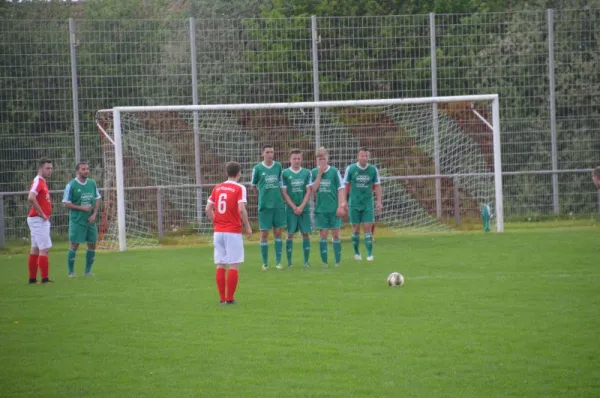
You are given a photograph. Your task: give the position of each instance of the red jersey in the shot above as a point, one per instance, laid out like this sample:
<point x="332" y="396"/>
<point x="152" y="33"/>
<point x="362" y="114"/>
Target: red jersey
<point x="40" y="188"/>
<point x="226" y="197"/>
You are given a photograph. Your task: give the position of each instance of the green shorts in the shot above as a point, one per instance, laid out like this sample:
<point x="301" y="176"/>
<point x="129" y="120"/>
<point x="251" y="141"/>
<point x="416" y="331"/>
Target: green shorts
<point x="271" y="218"/>
<point x="327" y="221"/>
<point x="359" y="216"/>
<point x="83" y="233"/>
<point x="297" y="223"/>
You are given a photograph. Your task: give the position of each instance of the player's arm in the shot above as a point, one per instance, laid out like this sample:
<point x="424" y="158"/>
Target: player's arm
<point x="32" y="197"/>
<point x="210" y="210"/>
<point x="244" y="217"/>
<point x="287" y="198"/>
<point x="242" y="200"/>
<point x="96" y="207"/>
<point x="306" y="197"/>
<point x="347" y="179"/>
<point x="254" y="181"/>
<point x="342" y="203"/>
<point x="317" y="182"/>
<point x="377" y="190"/>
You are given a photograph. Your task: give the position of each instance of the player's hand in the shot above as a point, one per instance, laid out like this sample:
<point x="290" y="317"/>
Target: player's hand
<point x="379" y="207"/>
<point x="92" y="219"/>
<point x="298" y="210"/>
<point x="45" y="217"/>
<point x="86" y="207"/>
<point x="249" y="232"/>
<point x="341" y="211"/>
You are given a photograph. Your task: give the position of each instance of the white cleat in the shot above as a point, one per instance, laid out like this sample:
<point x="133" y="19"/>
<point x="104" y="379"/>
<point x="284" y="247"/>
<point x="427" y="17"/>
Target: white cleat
<point x="279" y="266"/>
<point x="89" y="274"/>
<point x="72" y="275"/>
<point x="358" y="257"/>
<point x="370" y="258"/>
<point x="265" y="267"/>
<point x="337" y="265"/>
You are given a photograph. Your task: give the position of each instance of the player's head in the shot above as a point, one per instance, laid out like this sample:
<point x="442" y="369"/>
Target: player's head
<point x="596" y="177"/>
<point x="322" y="155"/>
<point x="268" y="153"/>
<point x="82" y="169"/>
<point x="45" y="167"/>
<point x="233" y="170"/>
<point x="295" y="158"/>
<point x="363" y="156"/>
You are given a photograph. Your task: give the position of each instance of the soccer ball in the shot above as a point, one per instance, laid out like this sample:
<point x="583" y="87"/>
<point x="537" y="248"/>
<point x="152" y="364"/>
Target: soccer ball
<point x="395" y="279"/>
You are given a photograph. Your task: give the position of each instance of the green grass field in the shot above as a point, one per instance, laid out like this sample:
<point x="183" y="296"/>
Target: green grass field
<point x="481" y="315"/>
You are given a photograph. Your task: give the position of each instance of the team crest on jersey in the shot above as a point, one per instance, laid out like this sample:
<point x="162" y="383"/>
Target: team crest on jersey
<point x="270" y="179"/>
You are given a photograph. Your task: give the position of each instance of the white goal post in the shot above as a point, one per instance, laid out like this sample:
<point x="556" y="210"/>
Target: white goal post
<point x="451" y="142"/>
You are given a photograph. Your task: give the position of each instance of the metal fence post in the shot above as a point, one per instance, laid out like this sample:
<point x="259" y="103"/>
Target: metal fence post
<point x="456" y="203"/>
<point x="2" y="235"/>
<point x="159" y="212"/>
<point x="552" y="88"/>
<point x="434" y="109"/>
<point x="198" y="169"/>
<point x="315" y="65"/>
<point x="74" y="85"/>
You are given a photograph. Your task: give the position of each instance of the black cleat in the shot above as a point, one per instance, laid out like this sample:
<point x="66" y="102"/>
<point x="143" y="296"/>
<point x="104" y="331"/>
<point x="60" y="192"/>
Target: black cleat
<point x="230" y="302"/>
<point x="47" y="280"/>
<point x="33" y="281"/>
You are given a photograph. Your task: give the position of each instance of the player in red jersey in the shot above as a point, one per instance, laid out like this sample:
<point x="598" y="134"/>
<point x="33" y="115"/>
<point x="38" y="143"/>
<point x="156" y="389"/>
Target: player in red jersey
<point x="229" y="201"/>
<point x="38" y="221"/>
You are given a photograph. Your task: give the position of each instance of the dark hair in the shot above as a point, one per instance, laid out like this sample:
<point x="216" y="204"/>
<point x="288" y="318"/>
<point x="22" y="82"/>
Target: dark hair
<point x="233" y="168"/>
<point x="363" y="149"/>
<point x="43" y="161"/>
<point x="597" y="172"/>
<point x="80" y="163"/>
<point x="295" y="151"/>
<point x="267" y="146"/>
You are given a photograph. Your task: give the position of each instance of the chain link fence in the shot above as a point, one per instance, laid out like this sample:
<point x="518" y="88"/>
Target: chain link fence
<point x="55" y="75"/>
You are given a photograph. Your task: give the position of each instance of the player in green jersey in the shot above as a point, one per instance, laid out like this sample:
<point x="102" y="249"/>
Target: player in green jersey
<point x="360" y="177"/>
<point x="266" y="177"/>
<point x="296" y="193"/>
<point x="326" y="183"/>
<point x="81" y="197"/>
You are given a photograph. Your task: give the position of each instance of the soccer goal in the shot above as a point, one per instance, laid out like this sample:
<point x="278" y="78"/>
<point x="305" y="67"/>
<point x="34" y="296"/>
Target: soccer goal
<point x="439" y="159"/>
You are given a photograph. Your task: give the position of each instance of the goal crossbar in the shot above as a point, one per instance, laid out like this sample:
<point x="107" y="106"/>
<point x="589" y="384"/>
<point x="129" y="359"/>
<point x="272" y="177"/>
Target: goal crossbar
<point x="316" y="104"/>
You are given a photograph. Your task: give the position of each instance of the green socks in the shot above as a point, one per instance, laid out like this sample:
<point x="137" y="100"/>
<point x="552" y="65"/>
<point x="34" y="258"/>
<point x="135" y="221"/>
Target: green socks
<point x="289" y="246"/>
<point x="369" y="243"/>
<point x="264" y="252"/>
<point x="355" y="242"/>
<point x="278" y="249"/>
<point x="306" y="249"/>
<point x="71" y="260"/>
<point x="337" y="250"/>
<point x="90" y="255"/>
<point x="323" y="250"/>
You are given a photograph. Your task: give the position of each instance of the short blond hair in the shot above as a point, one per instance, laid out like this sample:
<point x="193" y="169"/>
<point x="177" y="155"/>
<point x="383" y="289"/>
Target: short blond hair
<point x="597" y="172"/>
<point x="321" y="153"/>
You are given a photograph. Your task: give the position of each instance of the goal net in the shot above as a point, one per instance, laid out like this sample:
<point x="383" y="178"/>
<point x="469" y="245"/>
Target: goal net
<point x="439" y="159"/>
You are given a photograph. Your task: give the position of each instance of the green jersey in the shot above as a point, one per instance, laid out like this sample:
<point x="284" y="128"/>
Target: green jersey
<point x="268" y="182"/>
<point x="361" y="185"/>
<point x="295" y="184"/>
<point x="81" y="194"/>
<point x="327" y="194"/>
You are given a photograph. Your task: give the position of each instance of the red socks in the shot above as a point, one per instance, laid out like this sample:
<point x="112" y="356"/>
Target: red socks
<point x="33" y="266"/>
<point x="43" y="264"/>
<point x="221" y="283"/>
<point x="232" y="281"/>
